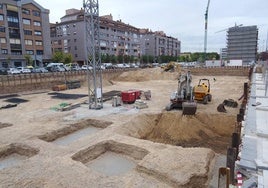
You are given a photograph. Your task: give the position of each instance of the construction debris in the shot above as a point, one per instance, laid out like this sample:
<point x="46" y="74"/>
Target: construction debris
<point x="73" y="84"/>
<point x="117" y="101"/>
<point x="147" y="94"/>
<point x="139" y="104"/>
<point x="59" y="87"/>
<point x="230" y="103"/>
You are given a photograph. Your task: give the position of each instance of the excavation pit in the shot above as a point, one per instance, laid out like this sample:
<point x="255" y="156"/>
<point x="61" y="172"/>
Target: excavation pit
<point x="73" y="132"/>
<point x="202" y="130"/>
<point x="111" y="158"/>
<point x="14" y="154"/>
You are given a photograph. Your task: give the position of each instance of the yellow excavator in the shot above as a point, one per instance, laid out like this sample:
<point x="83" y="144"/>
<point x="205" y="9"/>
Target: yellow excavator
<point x="183" y="97"/>
<point x="202" y="91"/>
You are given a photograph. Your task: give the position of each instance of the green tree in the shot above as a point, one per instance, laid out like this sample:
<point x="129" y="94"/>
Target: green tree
<point x="120" y="58"/>
<point x="58" y="57"/>
<point x="67" y="58"/>
<point x="9" y="61"/>
<point x="29" y="60"/>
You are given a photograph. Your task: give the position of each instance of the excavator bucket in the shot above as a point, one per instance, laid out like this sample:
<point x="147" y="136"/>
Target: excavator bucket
<point x="189" y="108"/>
<point x="221" y="108"/>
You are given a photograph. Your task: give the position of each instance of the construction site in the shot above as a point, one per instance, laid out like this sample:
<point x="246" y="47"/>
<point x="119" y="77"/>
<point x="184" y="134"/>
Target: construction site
<point x="46" y="144"/>
<point x="164" y="126"/>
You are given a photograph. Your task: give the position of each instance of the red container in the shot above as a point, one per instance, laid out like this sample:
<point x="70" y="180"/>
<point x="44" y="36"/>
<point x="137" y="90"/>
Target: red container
<point x="130" y="96"/>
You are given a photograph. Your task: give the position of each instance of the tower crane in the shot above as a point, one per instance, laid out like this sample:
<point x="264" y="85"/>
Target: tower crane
<point x="92" y="51"/>
<point x="206" y="30"/>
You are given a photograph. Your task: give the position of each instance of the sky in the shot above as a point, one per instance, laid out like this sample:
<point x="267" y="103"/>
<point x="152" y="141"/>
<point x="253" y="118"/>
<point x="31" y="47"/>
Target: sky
<point x="181" y="19"/>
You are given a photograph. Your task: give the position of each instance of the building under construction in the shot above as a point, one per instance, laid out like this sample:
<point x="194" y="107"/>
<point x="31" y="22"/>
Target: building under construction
<point x="242" y="43"/>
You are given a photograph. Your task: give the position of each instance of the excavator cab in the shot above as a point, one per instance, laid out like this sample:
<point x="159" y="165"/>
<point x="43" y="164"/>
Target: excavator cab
<point x="202" y="91"/>
<point x="183" y="97"/>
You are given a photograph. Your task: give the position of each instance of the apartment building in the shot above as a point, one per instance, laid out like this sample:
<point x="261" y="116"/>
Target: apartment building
<point x="23" y="31"/>
<point x="158" y="43"/>
<point x="116" y="38"/>
<point x="242" y="43"/>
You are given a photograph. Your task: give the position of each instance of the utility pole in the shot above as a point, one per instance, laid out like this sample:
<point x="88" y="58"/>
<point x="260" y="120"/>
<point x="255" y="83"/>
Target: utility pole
<point x="206" y="30"/>
<point x="93" y="56"/>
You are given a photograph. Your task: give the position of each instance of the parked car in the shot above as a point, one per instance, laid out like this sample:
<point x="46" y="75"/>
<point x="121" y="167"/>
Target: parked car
<point x="3" y="71"/>
<point x="55" y="67"/>
<point x="39" y="70"/>
<point x="13" y="71"/>
<point x="24" y="70"/>
<point x="85" y="67"/>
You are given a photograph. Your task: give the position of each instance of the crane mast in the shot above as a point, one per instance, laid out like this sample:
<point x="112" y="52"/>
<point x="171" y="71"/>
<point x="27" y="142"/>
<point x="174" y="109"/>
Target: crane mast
<point x="206" y="30"/>
<point x="92" y="51"/>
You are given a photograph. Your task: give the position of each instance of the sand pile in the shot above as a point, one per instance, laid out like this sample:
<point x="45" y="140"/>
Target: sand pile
<point x="202" y="130"/>
<point x="146" y="75"/>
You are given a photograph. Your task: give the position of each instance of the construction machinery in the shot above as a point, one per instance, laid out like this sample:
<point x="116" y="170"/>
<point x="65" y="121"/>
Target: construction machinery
<point x="183" y="97"/>
<point x="171" y="67"/>
<point x="202" y="91"/>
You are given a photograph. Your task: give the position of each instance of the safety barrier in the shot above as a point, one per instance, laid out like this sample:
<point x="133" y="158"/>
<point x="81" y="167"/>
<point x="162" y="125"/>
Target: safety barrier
<point x="43" y="81"/>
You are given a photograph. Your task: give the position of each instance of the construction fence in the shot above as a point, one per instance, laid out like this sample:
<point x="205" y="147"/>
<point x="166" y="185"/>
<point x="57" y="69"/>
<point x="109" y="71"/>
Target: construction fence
<point x="44" y="81"/>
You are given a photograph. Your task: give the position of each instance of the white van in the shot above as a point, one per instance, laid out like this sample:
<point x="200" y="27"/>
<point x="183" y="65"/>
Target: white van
<point x="55" y="67"/>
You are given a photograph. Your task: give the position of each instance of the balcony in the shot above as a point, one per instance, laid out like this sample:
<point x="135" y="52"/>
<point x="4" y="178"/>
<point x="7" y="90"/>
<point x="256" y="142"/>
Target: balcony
<point x="15" y="46"/>
<point x="13" y="24"/>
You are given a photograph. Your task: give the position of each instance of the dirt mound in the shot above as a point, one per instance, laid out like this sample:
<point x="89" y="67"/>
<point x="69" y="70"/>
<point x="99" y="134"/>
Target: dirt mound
<point x="146" y="75"/>
<point x="202" y="130"/>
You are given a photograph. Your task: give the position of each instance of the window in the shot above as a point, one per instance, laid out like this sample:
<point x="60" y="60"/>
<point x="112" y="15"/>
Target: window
<point x="5" y="64"/>
<point x="74" y="25"/>
<point x="16" y="52"/>
<point x="13" y="19"/>
<point x="74" y="40"/>
<point x="14" y="41"/>
<point x="26" y="21"/>
<point x="29" y="42"/>
<point x="36" y="23"/>
<point x="1" y="6"/>
<point x="75" y="47"/>
<point x="25" y="11"/>
<point x="2" y="29"/>
<point x="29" y="52"/>
<point x="38" y="43"/>
<point x="39" y="33"/>
<point x="3" y="40"/>
<point x="1" y="17"/>
<point x="28" y="32"/>
<point x="39" y="52"/>
<point x="74" y="33"/>
<point x="4" y="51"/>
<point x="36" y="13"/>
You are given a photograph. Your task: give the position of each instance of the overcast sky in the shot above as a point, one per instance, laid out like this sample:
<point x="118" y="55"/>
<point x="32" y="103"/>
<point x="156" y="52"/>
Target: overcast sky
<point x="182" y="19"/>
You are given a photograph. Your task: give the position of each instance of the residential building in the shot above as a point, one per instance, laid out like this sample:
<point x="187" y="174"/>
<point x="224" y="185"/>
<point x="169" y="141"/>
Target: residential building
<point x="242" y="43"/>
<point x="158" y="43"/>
<point x="116" y="38"/>
<point x="23" y="31"/>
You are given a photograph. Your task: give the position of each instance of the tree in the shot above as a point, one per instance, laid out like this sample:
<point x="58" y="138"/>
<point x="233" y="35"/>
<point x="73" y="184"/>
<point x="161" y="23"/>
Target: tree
<point x="9" y="61"/>
<point x="58" y="57"/>
<point x="29" y="60"/>
<point x="67" y="58"/>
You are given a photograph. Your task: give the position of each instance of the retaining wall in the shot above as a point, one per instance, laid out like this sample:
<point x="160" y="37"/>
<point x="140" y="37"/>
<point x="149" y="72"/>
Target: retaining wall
<point x="43" y="81"/>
